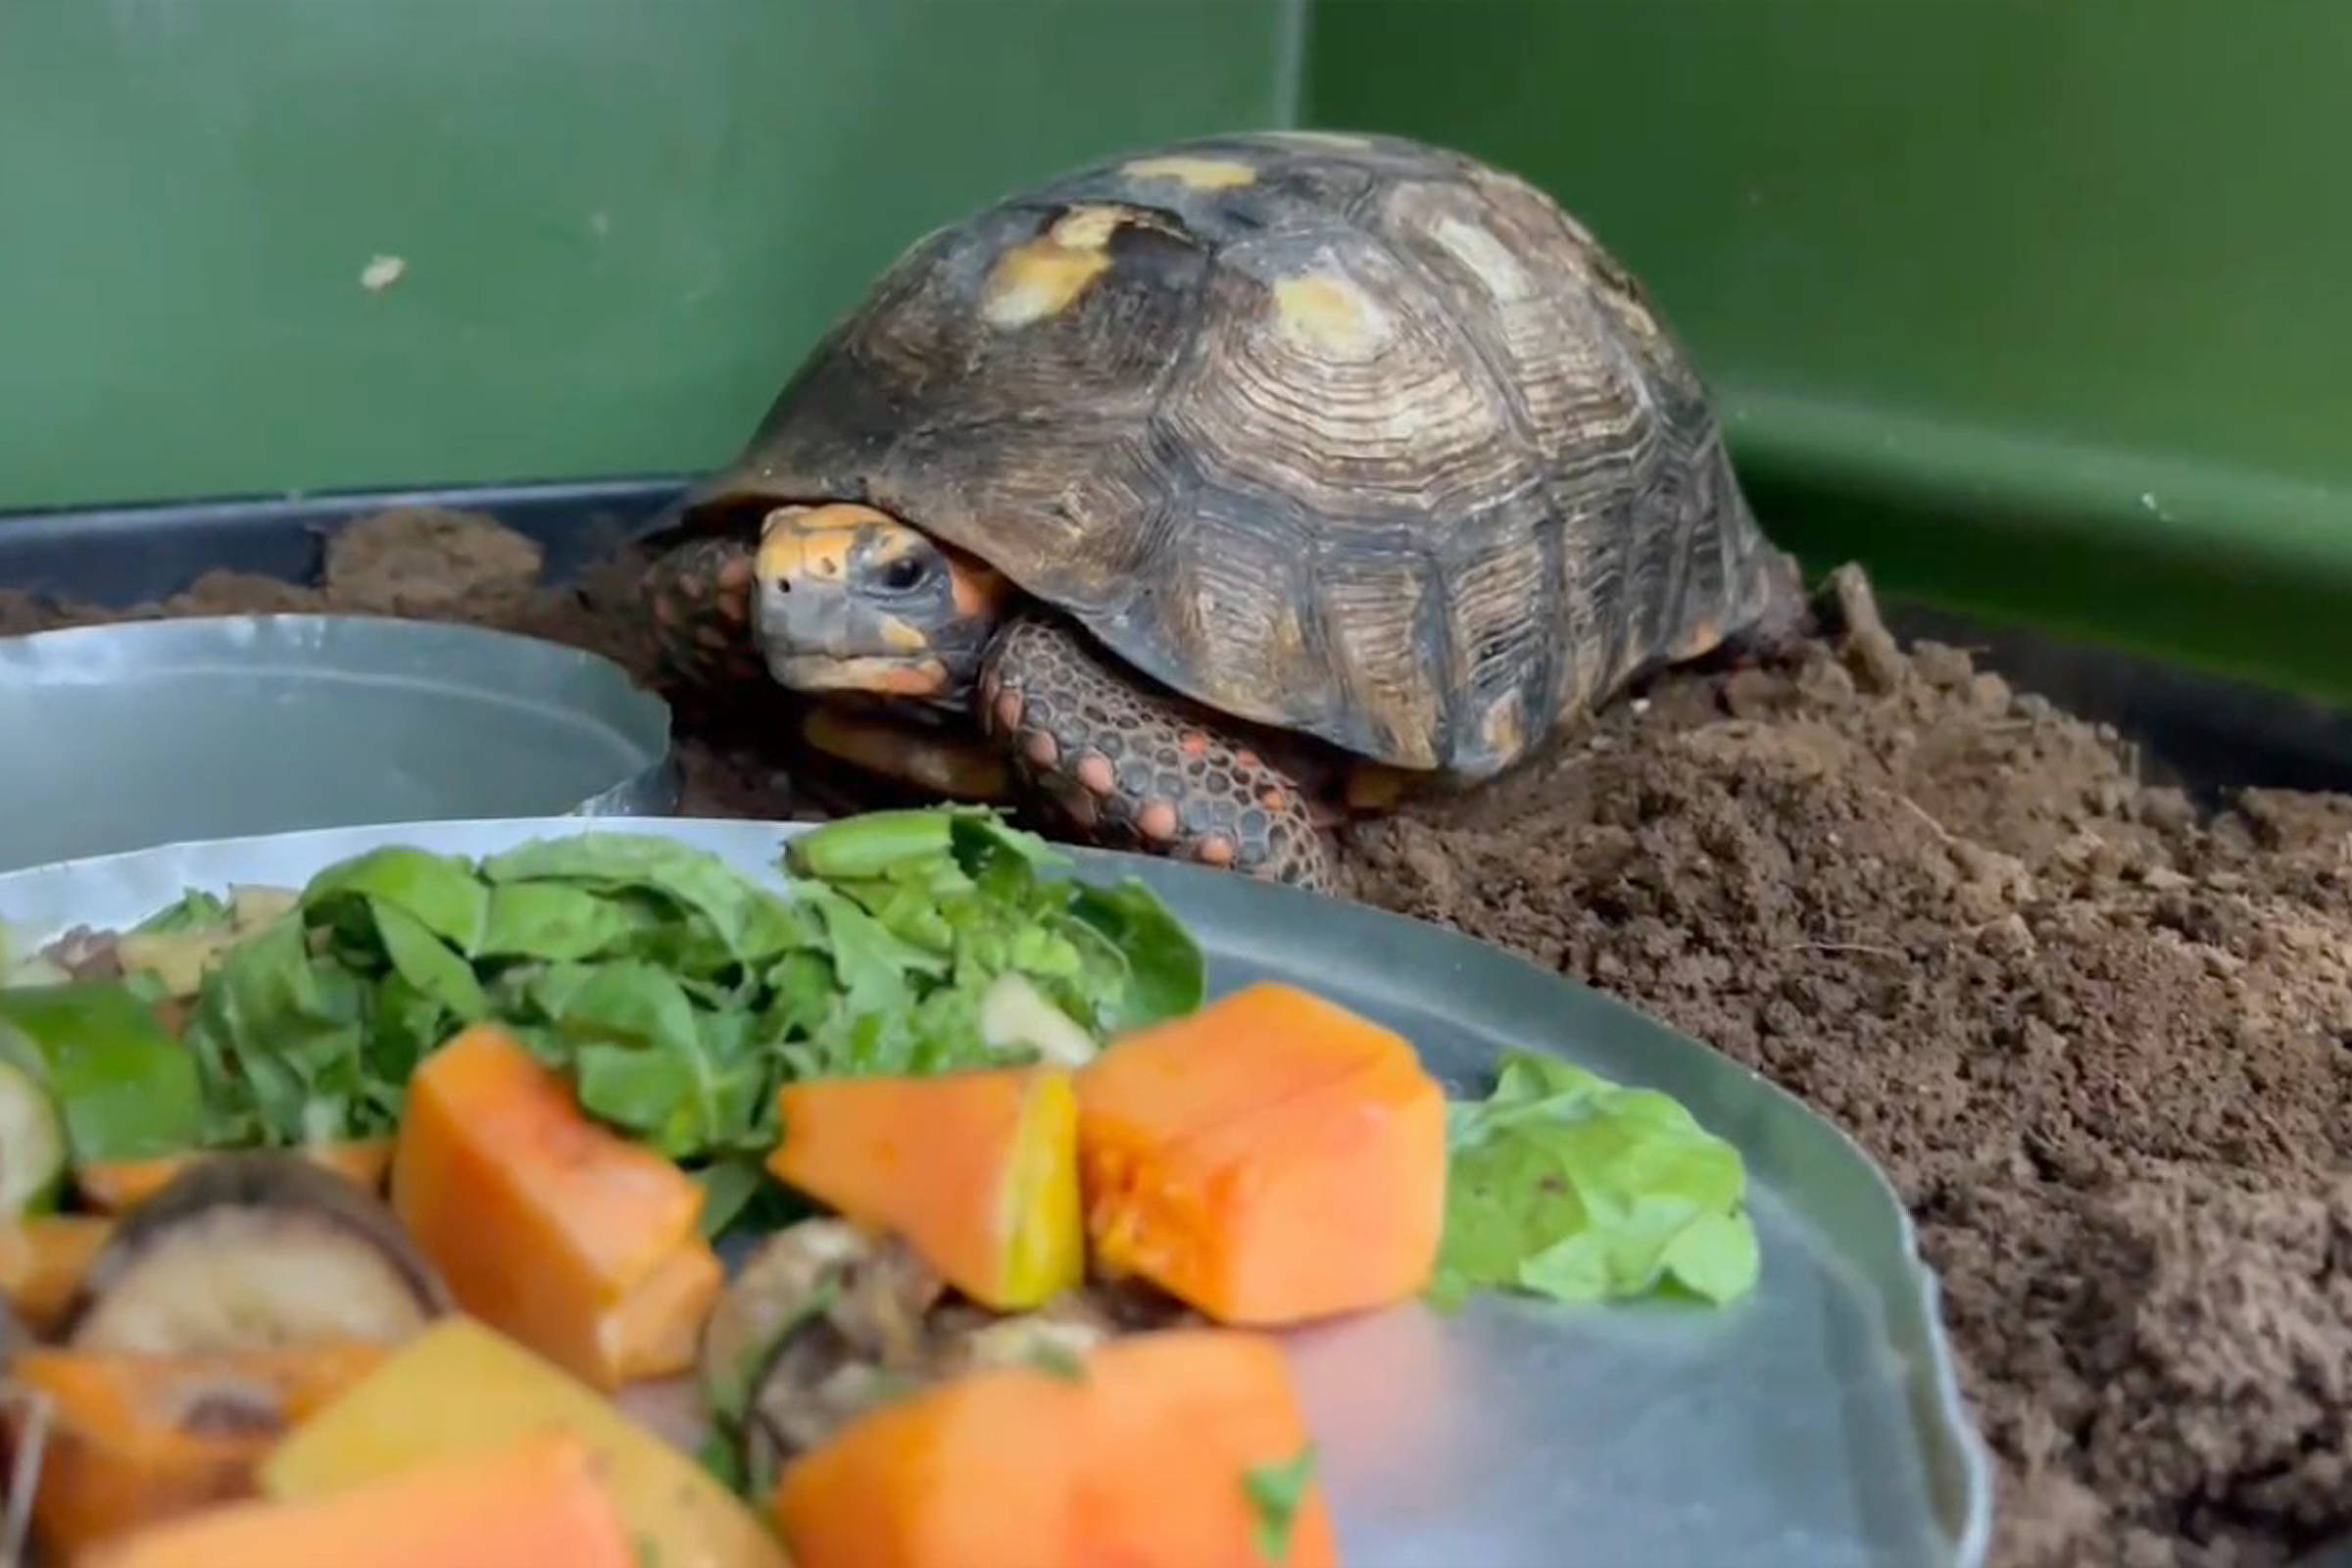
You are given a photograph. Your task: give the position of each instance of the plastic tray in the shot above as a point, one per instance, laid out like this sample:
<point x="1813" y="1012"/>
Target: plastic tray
<point x="155" y="732"/>
<point x="1814" y="1425"/>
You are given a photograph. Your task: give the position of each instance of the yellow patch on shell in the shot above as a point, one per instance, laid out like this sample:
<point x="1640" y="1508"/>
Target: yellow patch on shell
<point x="1320" y="138"/>
<point x="1041" y="276"/>
<point x="1489" y="259"/>
<point x="1702" y="638"/>
<point x="1195" y="174"/>
<point x="1331" y="317"/>
<point x="1088" y="228"/>
<point x="1503" y="726"/>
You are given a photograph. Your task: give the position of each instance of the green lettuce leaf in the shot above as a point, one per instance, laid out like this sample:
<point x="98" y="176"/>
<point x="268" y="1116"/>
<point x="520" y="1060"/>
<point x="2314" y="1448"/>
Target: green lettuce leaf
<point x="1568" y="1186"/>
<point x="125" y="1088"/>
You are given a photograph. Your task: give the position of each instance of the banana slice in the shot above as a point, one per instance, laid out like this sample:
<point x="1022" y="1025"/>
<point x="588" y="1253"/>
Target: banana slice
<point x="251" y="1252"/>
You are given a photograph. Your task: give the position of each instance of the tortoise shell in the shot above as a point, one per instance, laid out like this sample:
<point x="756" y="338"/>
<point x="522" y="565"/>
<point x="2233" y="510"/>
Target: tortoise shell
<point x="1349" y="437"/>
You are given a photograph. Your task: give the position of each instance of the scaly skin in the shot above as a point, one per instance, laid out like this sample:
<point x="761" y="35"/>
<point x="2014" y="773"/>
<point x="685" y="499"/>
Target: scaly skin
<point x="1139" y="769"/>
<point x="700" y="594"/>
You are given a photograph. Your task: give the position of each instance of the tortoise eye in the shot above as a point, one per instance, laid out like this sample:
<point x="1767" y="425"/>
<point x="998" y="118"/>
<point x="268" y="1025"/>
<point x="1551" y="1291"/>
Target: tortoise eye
<point x="904" y="573"/>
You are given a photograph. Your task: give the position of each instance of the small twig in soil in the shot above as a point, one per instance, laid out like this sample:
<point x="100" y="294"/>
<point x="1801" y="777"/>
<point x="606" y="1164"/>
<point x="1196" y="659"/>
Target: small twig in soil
<point x="1921" y="813"/>
<point x="1847" y="947"/>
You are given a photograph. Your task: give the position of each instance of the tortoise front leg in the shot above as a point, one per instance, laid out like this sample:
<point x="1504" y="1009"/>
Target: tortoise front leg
<point x="700" y="593"/>
<point x="1139" y="768"/>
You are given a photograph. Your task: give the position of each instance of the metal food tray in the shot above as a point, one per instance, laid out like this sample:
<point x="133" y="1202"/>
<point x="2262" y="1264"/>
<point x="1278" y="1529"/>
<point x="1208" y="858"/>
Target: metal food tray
<point x="1816" y="1424"/>
<point x="119" y="737"/>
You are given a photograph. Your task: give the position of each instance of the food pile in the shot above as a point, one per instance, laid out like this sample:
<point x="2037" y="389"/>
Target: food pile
<point x="413" y="1242"/>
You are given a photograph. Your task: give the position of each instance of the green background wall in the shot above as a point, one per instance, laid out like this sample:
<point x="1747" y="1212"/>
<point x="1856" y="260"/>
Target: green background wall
<point x="2040" y="308"/>
<point x="622" y="219"/>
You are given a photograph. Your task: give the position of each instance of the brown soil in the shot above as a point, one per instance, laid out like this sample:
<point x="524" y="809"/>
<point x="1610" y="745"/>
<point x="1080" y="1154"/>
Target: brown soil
<point x="2103" y="1045"/>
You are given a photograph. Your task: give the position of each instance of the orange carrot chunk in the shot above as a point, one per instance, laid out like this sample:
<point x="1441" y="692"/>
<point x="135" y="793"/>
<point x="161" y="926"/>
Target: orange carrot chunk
<point x="655" y="1329"/>
<point x="113" y="1185"/>
<point x="1200" y="1455"/>
<point x="1270" y="1159"/>
<point x="537" y="1502"/>
<point x="136" y="1438"/>
<point x="42" y="1261"/>
<point x="1168" y="1450"/>
<point x="546" y="1225"/>
<point x="978" y="1172"/>
<point x="980" y="1472"/>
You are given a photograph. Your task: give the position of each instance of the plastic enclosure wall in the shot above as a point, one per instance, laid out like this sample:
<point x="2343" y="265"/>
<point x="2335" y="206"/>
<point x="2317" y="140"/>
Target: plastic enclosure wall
<point x="621" y="221"/>
<point x="2038" y="308"/>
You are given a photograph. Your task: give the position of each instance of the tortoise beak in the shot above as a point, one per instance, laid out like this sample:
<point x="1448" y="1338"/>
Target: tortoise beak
<point x="803" y="618"/>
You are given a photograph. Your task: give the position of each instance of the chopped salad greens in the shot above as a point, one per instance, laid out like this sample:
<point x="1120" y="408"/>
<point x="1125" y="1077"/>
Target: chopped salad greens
<point x="1566" y="1185"/>
<point x="1275" y="1492"/>
<point x="675" y="992"/>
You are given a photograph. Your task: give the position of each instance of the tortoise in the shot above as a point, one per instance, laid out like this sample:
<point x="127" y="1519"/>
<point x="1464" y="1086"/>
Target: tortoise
<point x="1211" y="493"/>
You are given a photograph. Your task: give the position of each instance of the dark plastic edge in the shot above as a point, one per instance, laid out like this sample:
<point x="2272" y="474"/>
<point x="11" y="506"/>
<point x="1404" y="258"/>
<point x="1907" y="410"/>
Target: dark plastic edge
<point x="2205" y="732"/>
<point x="123" y="556"/>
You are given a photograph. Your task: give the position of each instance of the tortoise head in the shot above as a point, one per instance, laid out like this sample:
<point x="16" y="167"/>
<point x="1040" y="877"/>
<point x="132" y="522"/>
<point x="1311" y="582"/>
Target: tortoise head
<point x="852" y="600"/>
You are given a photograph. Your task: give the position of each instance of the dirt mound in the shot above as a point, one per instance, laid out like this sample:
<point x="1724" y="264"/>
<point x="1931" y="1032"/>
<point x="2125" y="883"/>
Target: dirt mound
<point x="2103" y="1045"/>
